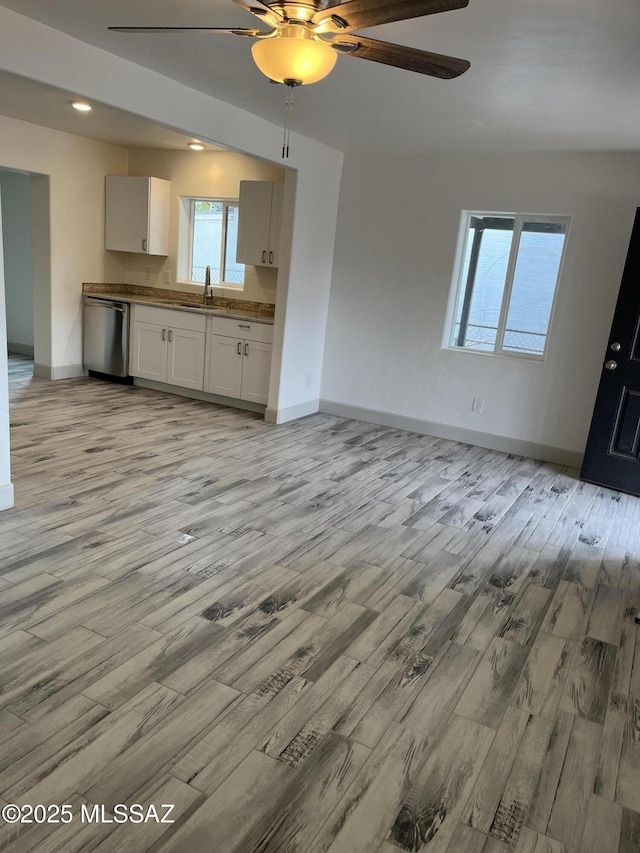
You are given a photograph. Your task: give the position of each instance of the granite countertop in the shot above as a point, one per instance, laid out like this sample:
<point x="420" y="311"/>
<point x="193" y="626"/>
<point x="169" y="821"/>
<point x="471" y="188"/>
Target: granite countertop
<point x="234" y="309"/>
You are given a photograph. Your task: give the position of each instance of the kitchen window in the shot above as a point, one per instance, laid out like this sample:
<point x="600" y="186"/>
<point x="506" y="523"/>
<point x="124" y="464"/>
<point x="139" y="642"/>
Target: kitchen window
<point x="505" y="283"/>
<point x="213" y="237"/>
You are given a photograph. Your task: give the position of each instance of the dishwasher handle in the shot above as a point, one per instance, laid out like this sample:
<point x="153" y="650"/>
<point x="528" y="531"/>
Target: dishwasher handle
<point x="100" y="303"/>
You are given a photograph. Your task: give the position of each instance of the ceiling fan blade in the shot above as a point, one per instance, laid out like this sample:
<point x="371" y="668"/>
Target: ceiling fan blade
<point x="420" y="61"/>
<point x="262" y="10"/>
<point x="236" y="31"/>
<point x="359" y="14"/>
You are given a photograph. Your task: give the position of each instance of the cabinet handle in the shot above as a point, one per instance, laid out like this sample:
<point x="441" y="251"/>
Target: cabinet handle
<point x="270" y="257"/>
<point x="239" y="347"/>
<point x="243" y="326"/>
<point x="246" y="349"/>
<point x="264" y="256"/>
<point x="144" y="245"/>
<point x="170" y="335"/>
<point x="164" y="334"/>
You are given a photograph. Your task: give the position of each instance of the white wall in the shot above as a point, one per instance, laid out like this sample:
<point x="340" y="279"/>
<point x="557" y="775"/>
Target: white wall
<point x="70" y="206"/>
<point x="396" y="239"/>
<point x="15" y="191"/>
<point x="216" y="174"/>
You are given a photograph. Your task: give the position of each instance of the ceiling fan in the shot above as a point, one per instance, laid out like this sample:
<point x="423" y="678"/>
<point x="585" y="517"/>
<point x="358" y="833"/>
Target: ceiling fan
<point x="304" y="39"/>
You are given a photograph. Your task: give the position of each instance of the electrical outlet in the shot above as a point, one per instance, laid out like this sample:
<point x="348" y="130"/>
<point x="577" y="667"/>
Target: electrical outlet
<point x="167" y="276"/>
<point x="147" y="273"/>
<point x="477" y="406"/>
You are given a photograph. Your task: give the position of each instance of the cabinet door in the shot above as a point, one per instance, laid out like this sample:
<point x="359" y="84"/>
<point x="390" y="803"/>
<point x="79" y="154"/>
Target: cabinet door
<point x="137" y="214"/>
<point x="126" y="213"/>
<point x="185" y="363"/>
<point x="149" y="351"/>
<point x="225" y="366"/>
<point x="254" y="222"/>
<point x="256" y="367"/>
<point x="159" y="214"/>
<point x="274" y="228"/>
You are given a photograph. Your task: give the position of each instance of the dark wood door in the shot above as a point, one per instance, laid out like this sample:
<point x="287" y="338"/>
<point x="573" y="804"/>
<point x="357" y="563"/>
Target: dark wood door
<point x="612" y="457"/>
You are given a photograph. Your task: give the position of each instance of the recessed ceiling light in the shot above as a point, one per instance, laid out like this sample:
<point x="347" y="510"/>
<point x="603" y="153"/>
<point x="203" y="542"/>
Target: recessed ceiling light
<point x="196" y="146"/>
<point x="81" y="106"/>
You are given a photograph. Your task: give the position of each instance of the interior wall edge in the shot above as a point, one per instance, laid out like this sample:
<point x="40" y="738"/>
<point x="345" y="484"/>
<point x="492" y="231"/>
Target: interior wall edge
<point x="67" y="371"/>
<point x="291" y="413"/>
<point x="501" y="443"/>
<point x="42" y="371"/>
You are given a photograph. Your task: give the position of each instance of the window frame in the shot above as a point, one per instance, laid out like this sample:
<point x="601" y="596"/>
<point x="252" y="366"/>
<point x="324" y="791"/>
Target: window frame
<point x="226" y="204"/>
<point x="458" y="285"/>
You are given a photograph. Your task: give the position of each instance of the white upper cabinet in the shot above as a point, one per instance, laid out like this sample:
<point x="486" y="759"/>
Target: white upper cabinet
<point x="259" y="223"/>
<point x="137" y="214"/>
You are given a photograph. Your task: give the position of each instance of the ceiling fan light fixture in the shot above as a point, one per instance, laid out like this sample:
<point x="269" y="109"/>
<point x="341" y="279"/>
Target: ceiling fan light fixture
<point x="294" y="54"/>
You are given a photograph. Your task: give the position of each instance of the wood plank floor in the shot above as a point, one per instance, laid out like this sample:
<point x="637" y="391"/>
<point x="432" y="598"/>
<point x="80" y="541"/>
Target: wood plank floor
<point x="324" y="636"/>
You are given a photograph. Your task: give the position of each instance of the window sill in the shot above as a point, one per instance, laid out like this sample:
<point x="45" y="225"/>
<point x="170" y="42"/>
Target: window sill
<point x="522" y="356"/>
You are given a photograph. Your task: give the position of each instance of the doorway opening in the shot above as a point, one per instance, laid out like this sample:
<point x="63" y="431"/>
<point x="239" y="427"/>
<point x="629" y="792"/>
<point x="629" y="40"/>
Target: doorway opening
<point x="24" y="200"/>
<point x="25" y="294"/>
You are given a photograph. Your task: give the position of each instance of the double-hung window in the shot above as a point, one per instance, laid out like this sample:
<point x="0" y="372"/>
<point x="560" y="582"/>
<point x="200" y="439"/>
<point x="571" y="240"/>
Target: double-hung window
<point x="213" y="237"/>
<point x="505" y="282"/>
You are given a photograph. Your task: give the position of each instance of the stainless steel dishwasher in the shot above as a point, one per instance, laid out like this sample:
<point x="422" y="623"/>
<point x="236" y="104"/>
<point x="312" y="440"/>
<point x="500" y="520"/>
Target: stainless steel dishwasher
<point x="106" y="337"/>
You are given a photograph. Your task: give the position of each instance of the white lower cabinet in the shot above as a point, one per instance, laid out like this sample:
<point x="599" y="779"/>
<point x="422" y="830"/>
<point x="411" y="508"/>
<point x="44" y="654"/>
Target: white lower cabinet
<point x="168" y="346"/>
<point x="149" y="351"/>
<point x="231" y="358"/>
<point x="225" y="366"/>
<point x="256" y="367"/>
<point x="239" y="359"/>
<point x="185" y="362"/>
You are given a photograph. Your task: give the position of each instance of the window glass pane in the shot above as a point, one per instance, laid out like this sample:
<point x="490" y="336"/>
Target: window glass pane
<point x="483" y="278"/>
<point x="233" y="271"/>
<point x="207" y="240"/>
<point x="534" y="284"/>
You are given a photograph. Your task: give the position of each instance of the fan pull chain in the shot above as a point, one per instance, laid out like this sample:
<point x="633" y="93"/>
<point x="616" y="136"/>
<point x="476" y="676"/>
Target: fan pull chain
<point x="288" y="113"/>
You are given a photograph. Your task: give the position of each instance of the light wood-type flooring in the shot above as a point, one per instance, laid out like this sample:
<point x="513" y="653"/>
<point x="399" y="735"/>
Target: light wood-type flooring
<point x="322" y="636"/>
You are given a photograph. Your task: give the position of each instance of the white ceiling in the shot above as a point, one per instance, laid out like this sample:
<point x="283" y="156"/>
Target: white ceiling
<point x="29" y="101"/>
<point x="545" y="74"/>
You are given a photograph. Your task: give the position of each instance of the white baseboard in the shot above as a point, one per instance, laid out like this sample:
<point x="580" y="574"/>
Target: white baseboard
<point x="6" y="496"/>
<point x="66" y="371"/>
<point x="291" y="413"/>
<point x="544" y="452"/>
<point x="200" y="395"/>
<point x="20" y="349"/>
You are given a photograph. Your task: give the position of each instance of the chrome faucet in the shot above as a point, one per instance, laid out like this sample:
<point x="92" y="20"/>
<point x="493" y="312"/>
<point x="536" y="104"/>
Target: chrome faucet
<point x="207" y="285"/>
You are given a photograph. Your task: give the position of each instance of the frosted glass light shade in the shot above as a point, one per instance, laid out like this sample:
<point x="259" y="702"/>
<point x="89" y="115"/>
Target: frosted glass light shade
<point x="296" y="57"/>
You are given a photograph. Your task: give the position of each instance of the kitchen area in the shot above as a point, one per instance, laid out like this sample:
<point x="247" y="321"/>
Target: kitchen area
<point x="199" y="252"/>
<point x="63" y="158"/>
<point x="150" y="319"/>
